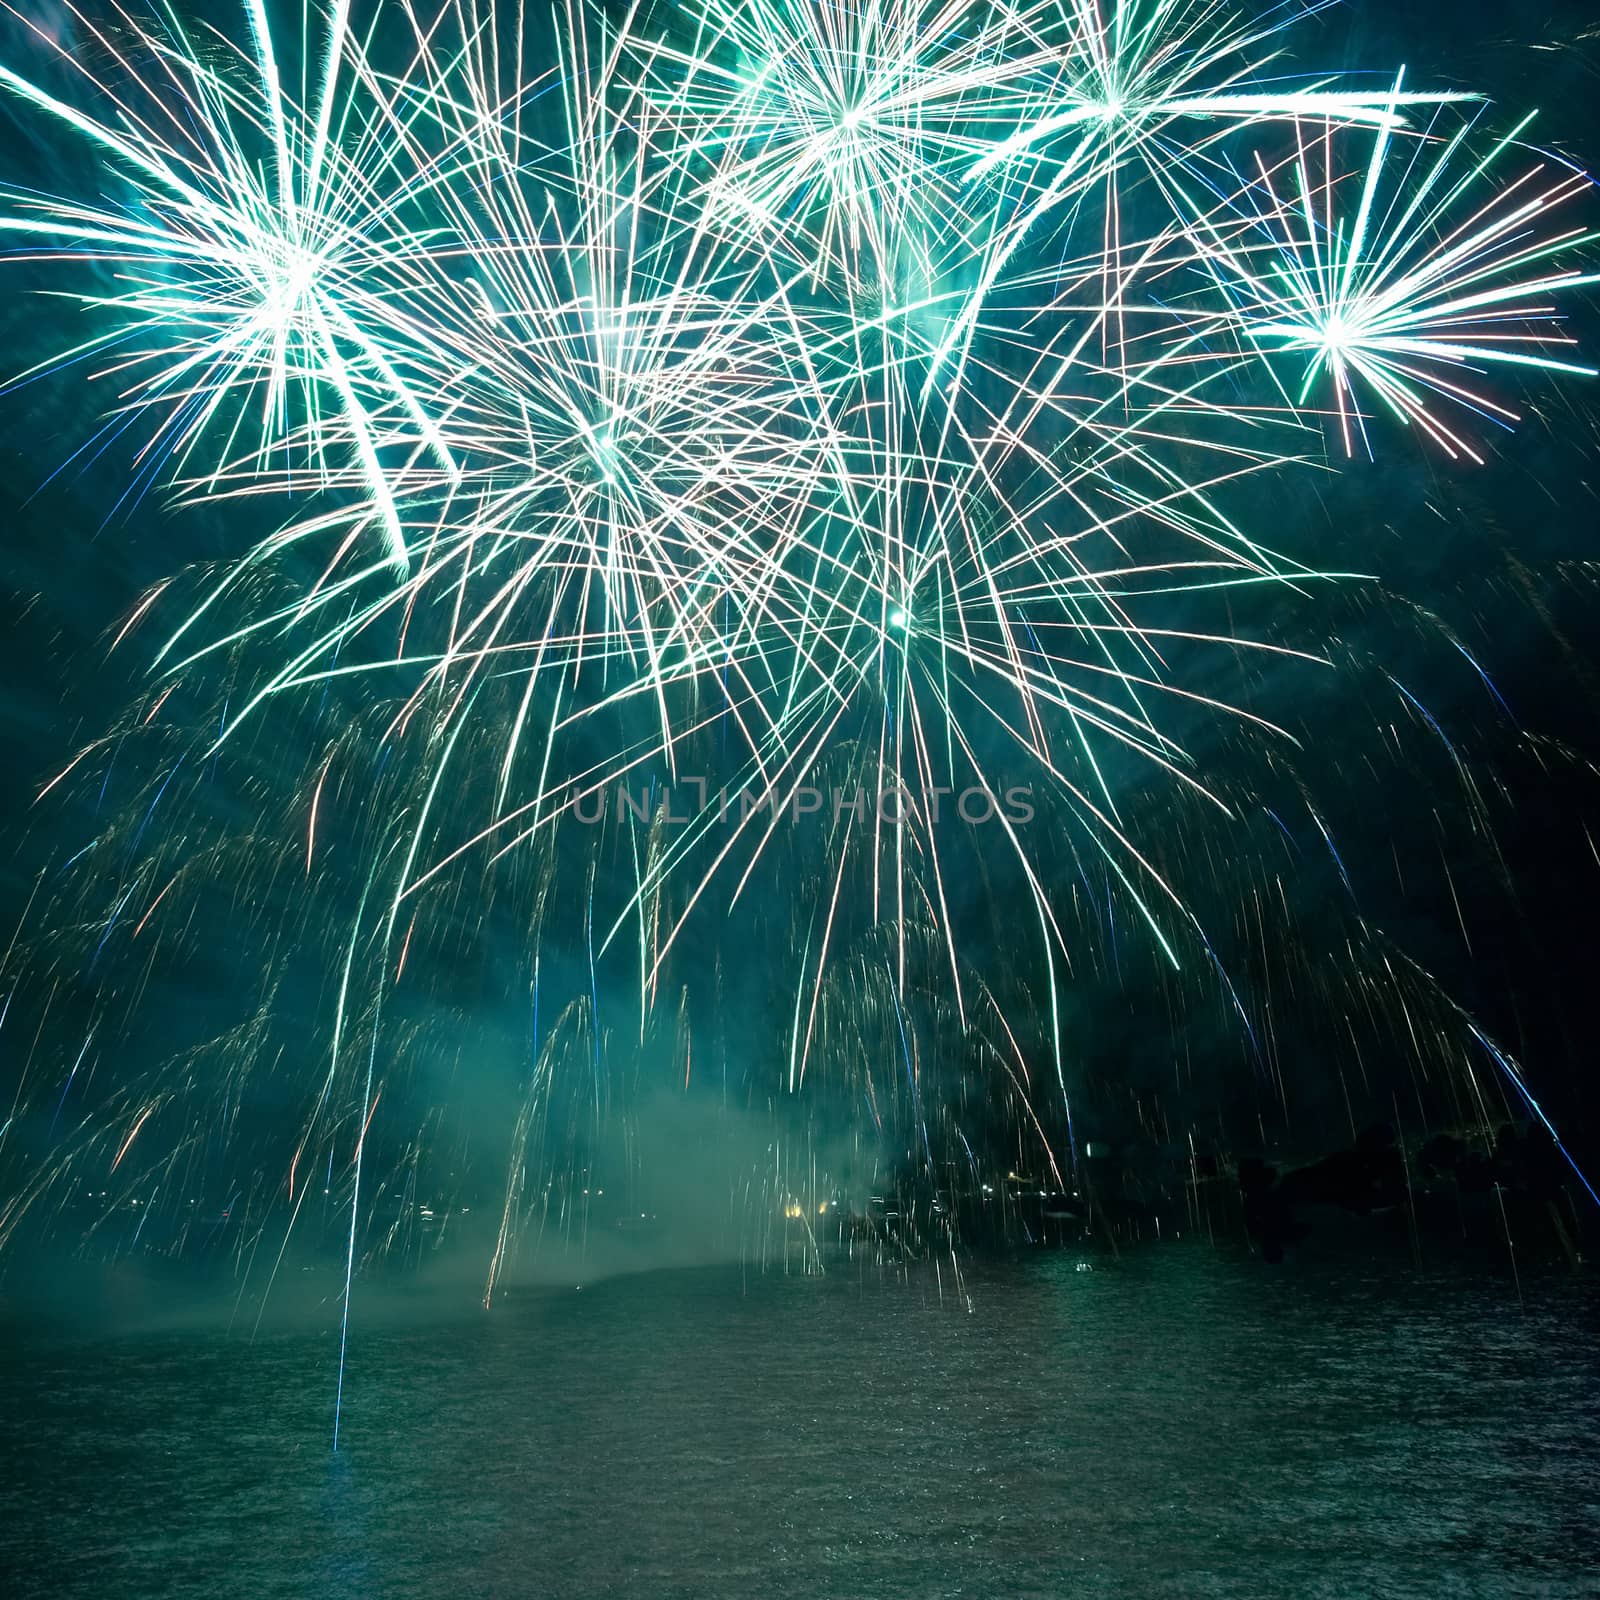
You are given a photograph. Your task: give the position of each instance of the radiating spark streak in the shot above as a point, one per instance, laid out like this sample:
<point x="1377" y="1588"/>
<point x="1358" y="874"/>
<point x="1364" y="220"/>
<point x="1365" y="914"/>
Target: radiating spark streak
<point x="71" y="766"/>
<point x="133" y="1133"/>
<point x="138" y="613"/>
<point x="311" y="821"/>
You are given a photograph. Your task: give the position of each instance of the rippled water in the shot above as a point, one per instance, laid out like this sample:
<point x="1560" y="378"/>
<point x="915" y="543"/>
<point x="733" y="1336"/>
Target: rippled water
<point x="1170" y="1425"/>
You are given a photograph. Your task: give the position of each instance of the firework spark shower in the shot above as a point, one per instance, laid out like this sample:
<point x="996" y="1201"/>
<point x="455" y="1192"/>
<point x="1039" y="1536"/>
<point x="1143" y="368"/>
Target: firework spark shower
<point x="588" y="408"/>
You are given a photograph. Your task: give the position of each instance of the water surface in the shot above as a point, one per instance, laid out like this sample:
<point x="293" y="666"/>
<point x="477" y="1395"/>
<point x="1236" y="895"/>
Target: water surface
<point x="1173" y="1424"/>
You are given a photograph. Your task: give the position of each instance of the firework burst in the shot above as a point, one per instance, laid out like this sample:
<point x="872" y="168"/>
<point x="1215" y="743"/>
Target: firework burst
<point x="262" y="250"/>
<point x="1411" y="280"/>
<point x="801" y="402"/>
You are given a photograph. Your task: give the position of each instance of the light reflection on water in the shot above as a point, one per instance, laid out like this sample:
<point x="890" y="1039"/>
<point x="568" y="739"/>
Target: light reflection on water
<point x="1168" y="1425"/>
